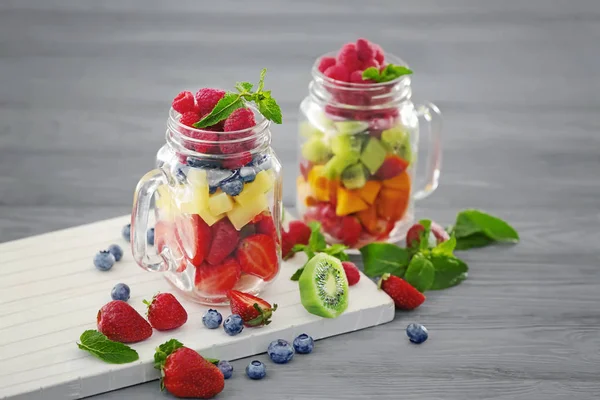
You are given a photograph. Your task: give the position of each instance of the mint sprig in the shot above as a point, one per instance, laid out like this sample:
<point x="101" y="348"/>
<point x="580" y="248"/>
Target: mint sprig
<point x="474" y="228"/>
<point x="389" y="73"/>
<point x="105" y="349"/>
<point x="266" y="104"/>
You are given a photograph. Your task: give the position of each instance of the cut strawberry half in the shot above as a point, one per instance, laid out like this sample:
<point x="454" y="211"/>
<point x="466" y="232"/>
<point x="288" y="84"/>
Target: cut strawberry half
<point x="193" y="234"/>
<point x="265" y="224"/>
<point x="253" y="310"/>
<point x="257" y="255"/>
<point x="165" y="237"/>
<point x="217" y="279"/>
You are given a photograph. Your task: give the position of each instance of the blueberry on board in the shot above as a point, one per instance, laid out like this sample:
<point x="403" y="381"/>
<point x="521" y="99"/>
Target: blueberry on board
<point x="248" y="174"/>
<point x="126" y="232"/>
<point x="303" y="344"/>
<point x="256" y="370"/>
<point x="417" y="333"/>
<point x="212" y="319"/>
<point x="104" y="260"/>
<point x="280" y="351"/>
<point x="226" y="368"/>
<point x="150" y="236"/>
<point x="233" y="187"/>
<point x="233" y="325"/>
<point x="120" y="292"/>
<point x="116" y="251"/>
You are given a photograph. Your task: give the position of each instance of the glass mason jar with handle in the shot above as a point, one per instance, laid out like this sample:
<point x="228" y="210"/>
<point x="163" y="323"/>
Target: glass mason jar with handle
<point x="358" y="157"/>
<point x="217" y="210"/>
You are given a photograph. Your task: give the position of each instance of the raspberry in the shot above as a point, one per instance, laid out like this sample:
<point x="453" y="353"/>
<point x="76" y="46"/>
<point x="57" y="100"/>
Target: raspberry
<point x="352" y="272"/>
<point x="299" y="232"/>
<point x="189" y="118"/>
<point x="338" y="72"/>
<point x="356" y="77"/>
<point x="364" y="50"/>
<point x="184" y="102"/>
<point x="379" y="56"/>
<point x="242" y="118"/>
<point x="204" y="148"/>
<point x="325" y="63"/>
<point x="236" y="162"/>
<point x="207" y="99"/>
<point x="348" y="56"/>
<point x="368" y="64"/>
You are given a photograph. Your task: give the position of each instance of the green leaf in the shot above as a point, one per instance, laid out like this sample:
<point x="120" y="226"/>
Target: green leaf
<point x="228" y="104"/>
<point x="420" y="273"/>
<point x="316" y="242"/>
<point x="470" y="222"/>
<point x="389" y="73"/>
<point x="212" y="360"/>
<point x="164" y="350"/>
<point x="381" y="258"/>
<point x="297" y="274"/>
<point x="105" y="349"/>
<point x="424" y="235"/>
<point x="261" y="81"/>
<point x="473" y="241"/>
<point x="298" y="247"/>
<point x="449" y="271"/>
<point x="371" y="73"/>
<point x="270" y="109"/>
<point x="446" y="248"/>
<point x="244" y="87"/>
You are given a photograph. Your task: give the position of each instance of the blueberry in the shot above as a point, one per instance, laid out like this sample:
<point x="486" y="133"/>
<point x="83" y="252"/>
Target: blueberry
<point x="126" y="232"/>
<point x="262" y="162"/>
<point x="120" y="292"/>
<point x="104" y="260"/>
<point x="233" y="187"/>
<point x="150" y="236"/>
<point x="280" y="351"/>
<point x="256" y="370"/>
<point x="226" y="368"/>
<point x="212" y="319"/>
<point x="179" y="172"/>
<point x="304" y="344"/>
<point x="247" y="174"/>
<point x="417" y="333"/>
<point x="233" y="325"/>
<point x="212" y="189"/>
<point x="202" y="163"/>
<point x="116" y="251"/>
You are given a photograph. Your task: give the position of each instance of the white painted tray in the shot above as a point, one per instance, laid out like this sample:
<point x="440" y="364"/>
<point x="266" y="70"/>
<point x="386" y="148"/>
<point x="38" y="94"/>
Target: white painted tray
<point x="50" y="293"/>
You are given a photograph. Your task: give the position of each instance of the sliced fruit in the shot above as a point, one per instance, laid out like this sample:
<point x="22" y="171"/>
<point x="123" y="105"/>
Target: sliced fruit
<point x="257" y="255"/>
<point x="209" y="217"/>
<point x="219" y="203"/>
<point x="349" y="202"/>
<point x="165" y="237"/>
<point x="400" y="182"/>
<point x="254" y="191"/>
<point x="241" y="215"/>
<point x="373" y="155"/>
<point x="319" y="184"/>
<point x="197" y="177"/>
<point x="324" y="286"/>
<point x="368" y="218"/>
<point x="346" y="144"/>
<point x="370" y="191"/>
<point x="316" y="151"/>
<point x="253" y="310"/>
<point x="305" y="167"/>
<point x="338" y="163"/>
<point x="397" y="141"/>
<point x="391" y="167"/>
<point x="392" y="204"/>
<point x="224" y="241"/>
<point x="218" y="279"/>
<point x="194" y="237"/>
<point x="265" y="224"/>
<point x="350" y="230"/>
<point x="350" y="127"/>
<point x="354" y="177"/>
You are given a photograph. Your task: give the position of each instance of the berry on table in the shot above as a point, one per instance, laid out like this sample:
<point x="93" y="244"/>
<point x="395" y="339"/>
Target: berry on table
<point x="184" y="102"/>
<point x="303" y="344"/>
<point x="207" y="99"/>
<point x="165" y="312"/>
<point x="104" y="260"/>
<point x="126" y="232"/>
<point x="352" y="272"/>
<point x="212" y="319"/>
<point x="280" y="351"/>
<point x="116" y="251"/>
<point x="405" y="296"/>
<point x="417" y="333"/>
<point x="256" y="370"/>
<point x="253" y="310"/>
<point x="233" y="325"/>
<point x="150" y="236"/>
<point x="120" y="292"/>
<point x="120" y="322"/>
<point x="226" y="368"/>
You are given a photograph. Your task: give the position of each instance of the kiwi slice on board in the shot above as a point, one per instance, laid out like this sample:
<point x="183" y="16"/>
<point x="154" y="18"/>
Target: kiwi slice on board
<point x="324" y="286"/>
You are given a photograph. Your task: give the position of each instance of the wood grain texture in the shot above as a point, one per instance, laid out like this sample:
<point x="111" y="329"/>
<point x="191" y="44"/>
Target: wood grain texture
<point x="85" y="88"/>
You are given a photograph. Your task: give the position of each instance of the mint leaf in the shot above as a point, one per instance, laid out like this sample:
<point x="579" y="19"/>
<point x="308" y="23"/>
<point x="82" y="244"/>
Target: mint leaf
<point x="228" y="104"/>
<point x="105" y="349"/>
<point x="297" y="274"/>
<point x="446" y="248"/>
<point x="424" y="235"/>
<point x="420" y="273"/>
<point x="244" y="87"/>
<point x="270" y="109"/>
<point x="473" y="241"/>
<point x="261" y="81"/>
<point x="449" y="271"/>
<point x="381" y="258"/>
<point x="371" y="73"/>
<point x="316" y="242"/>
<point x="389" y="73"/>
<point x="338" y="251"/>
<point x="475" y="222"/>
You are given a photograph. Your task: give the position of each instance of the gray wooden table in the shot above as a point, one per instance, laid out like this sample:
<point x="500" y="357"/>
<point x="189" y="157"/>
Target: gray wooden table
<point x="84" y="90"/>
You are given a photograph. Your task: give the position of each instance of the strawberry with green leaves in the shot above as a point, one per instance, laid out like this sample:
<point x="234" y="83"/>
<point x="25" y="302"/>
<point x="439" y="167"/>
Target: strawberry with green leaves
<point x="253" y="310"/>
<point x="404" y="295"/>
<point x="165" y="312"/>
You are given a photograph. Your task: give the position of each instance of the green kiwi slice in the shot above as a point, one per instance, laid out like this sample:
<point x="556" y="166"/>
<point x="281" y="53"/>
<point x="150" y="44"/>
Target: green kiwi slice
<point x="324" y="286"/>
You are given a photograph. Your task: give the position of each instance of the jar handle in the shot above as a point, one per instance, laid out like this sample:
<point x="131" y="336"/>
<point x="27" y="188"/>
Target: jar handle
<point x="144" y="192"/>
<point x="430" y="113"/>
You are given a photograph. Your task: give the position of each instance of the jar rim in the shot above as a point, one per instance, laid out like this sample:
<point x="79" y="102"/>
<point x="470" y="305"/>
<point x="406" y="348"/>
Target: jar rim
<point x="261" y="124"/>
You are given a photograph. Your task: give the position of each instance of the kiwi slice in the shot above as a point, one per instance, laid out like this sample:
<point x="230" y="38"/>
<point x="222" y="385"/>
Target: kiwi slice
<point x="397" y="141"/>
<point x="316" y="151"/>
<point x="334" y="167"/>
<point x="354" y="177"/>
<point x="373" y="155"/>
<point x="324" y="286"/>
<point x="346" y="144"/>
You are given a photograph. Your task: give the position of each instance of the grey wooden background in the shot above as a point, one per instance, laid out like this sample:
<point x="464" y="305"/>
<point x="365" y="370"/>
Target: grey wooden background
<point x="85" y="86"/>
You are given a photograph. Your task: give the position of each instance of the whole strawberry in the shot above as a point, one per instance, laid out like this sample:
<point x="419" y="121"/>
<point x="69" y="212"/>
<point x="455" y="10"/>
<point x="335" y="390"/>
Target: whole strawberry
<point x="185" y="373"/>
<point x="253" y="310"/>
<point x="120" y="322"/>
<point x="404" y="295"/>
<point x="165" y="312"/>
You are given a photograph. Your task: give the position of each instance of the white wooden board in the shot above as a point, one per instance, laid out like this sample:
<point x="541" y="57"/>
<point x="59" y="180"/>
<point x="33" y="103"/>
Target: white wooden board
<point x="50" y="293"/>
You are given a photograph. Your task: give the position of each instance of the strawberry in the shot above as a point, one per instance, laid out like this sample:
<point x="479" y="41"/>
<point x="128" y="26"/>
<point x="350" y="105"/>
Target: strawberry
<point x="437" y="235"/>
<point x="165" y="312"/>
<point x="350" y="230"/>
<point x="299" y="231"/>
<point x="165" y="236"/>
<point x="265" y="224"/>
<point x="253" y="310"/>
<point x="391" y="167"/>
<point x="287" y="243"/>
<point x="257" y="255"/>
<point x="194" y="237"/>
<point x="185" y="373"/>
<point x="218" y="279"/>
<point x="121" y="323"/>
<point x="224" y="240"/>
<point x="352" y="272"/>
<point x="404" y="295"/>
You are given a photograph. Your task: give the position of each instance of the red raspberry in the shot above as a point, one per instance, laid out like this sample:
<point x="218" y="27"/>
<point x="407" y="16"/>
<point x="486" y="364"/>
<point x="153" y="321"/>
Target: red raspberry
<point x="299" y="232"/>
<point x="207" y="99"/>
<point x="338" y="72"/>
<point x="364" y="50"/>
<point x="379" y="55"/>
<point x="325" y="63"/>
<point x="352" y="272"/>
<point x="184" y="102"/>
<point x="205" y="148"/>
<point x="369" y="63"/>
<point x="242" y="118"/>
<point x="236" y="162"/>
<point x="189" y="118"/>
<point x="348" y="56"/>
<point x="356" y="77"/>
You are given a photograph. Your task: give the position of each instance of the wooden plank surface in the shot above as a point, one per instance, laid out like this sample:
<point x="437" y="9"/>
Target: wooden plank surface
<point x="84" y="91"/>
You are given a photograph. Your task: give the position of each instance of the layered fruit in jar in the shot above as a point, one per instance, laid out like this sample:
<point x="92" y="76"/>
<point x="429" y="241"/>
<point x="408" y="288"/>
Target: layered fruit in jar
<point x="357" y="148"/>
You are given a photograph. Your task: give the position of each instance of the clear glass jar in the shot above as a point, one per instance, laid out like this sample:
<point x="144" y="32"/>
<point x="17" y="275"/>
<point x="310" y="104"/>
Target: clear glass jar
<point x="358" y="157"/>
<point x="214" y="194"/>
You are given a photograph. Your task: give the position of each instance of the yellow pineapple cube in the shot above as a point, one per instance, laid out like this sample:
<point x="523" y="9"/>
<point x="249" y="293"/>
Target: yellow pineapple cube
<point x="261" y="185"/>
<point x="240" y="215"/>
<point x="219" y="203"/>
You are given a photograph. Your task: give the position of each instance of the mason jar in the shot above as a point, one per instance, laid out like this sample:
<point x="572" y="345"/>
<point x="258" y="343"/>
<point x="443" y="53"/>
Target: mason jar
<point x="217" y="211"/>
<point x="358" y="155"/>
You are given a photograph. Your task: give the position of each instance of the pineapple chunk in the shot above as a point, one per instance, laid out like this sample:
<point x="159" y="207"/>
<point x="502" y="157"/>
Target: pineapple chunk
<point x="262" y="184"/>
<point x="240" y="215"/>
<point x="219" y="203"/>
<point x="164" y="203"/>
<point x="197" y="177"/>
<point x="209" y="217"/>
